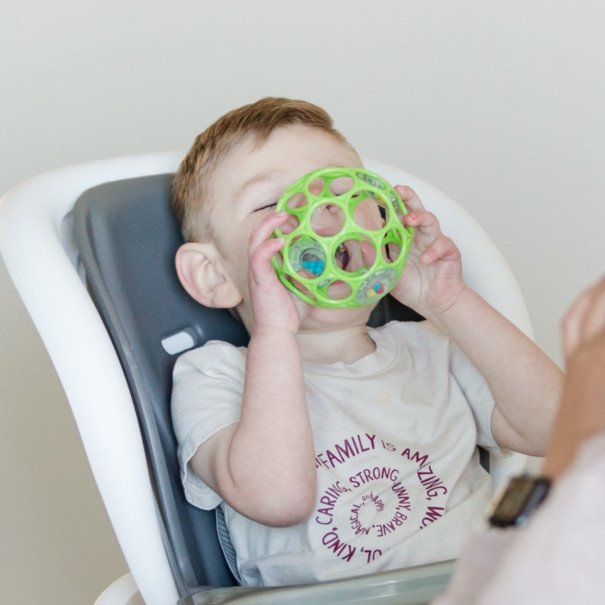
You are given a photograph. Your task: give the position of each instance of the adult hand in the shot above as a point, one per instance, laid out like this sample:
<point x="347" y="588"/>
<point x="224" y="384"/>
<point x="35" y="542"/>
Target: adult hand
<point x="584" y="324"/>
<point x="582" y="411"/>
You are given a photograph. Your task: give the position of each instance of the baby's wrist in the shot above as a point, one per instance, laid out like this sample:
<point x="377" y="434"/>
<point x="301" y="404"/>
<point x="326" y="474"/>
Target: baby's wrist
<point x="273" y="329"/>
<point x="448" y="310"/>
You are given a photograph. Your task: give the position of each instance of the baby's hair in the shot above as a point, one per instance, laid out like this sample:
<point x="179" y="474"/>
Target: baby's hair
<point x="192" y="185"/>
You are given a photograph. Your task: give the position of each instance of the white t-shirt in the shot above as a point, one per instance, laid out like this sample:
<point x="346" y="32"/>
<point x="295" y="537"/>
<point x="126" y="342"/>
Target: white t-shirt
<point x="395" y="433"/>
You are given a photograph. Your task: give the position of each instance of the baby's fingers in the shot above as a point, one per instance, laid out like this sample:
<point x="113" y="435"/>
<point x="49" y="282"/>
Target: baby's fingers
<point x="428" y="236"/>
<point x="425" y="222"/>
<point x="260" y="257"/>
<point x="262" y="247"/>
<point x="417" y="216"/>
<point x="265" y="228"/>
<point x="410" y="197"/>
<point x="442" y="248"/>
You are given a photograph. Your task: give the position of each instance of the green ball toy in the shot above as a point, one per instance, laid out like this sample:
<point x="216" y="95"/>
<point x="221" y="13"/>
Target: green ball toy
<point x="345" y="243"/>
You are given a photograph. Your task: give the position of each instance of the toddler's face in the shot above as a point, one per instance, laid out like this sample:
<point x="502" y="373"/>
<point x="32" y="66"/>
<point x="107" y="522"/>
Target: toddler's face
<point x="249" y="181"/>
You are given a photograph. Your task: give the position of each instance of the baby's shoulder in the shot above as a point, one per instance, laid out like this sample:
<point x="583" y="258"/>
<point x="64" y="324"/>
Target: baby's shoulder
<point x="213" y="355"/>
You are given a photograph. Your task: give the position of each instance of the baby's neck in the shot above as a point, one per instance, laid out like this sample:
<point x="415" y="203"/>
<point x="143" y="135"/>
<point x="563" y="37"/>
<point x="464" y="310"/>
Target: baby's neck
<point x="338" y="344"/>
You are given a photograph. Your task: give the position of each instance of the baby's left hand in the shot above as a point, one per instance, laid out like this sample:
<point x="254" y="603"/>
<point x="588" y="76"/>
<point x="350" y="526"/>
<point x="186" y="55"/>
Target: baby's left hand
<point x="432" y="276"/>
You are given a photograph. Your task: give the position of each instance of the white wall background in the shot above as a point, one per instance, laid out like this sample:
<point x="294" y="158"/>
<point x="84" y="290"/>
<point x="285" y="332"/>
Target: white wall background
<point x="500" y="104"/>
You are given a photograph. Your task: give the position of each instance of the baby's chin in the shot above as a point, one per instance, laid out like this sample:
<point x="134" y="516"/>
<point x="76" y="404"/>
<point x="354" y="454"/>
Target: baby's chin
<point x="320" y="319"/>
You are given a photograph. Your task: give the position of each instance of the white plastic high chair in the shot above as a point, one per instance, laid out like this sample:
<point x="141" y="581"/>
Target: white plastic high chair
<point x="113" y="350"/>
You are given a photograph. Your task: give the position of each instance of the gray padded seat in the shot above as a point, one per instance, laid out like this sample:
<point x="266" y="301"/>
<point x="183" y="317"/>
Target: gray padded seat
<point x="127" y="238"/>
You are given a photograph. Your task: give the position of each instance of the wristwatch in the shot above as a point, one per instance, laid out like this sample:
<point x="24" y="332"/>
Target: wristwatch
<point x="520" y="498"/>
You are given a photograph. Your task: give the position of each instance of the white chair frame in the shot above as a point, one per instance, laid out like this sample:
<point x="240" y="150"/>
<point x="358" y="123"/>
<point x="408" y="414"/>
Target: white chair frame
<point x="37" y="247"/>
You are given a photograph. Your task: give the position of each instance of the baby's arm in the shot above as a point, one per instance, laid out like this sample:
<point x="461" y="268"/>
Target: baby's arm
<point x="263" y="466"/>
<point x="525" y="383"/>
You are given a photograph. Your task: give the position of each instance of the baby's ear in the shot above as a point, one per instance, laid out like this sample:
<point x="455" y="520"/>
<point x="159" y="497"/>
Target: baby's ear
<point x="202" y="273"/>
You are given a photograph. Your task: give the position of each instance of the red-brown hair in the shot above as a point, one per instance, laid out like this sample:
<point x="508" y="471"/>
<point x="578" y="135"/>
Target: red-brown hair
<point x="191" y="188"/>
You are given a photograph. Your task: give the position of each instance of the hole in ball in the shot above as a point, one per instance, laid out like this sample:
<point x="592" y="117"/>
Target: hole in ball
<point x="338" y="290"/>
<point x="367" y="213"/>
<point x="297" y="200"/>
<point x="341" y="185"/>
<point x="355" y="255"/>
<point x="316" y="186"/>
<point x="327" y="220"/>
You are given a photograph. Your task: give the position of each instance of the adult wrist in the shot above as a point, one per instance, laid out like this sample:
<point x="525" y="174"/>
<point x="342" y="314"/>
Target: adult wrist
<point x="520" y="499"/>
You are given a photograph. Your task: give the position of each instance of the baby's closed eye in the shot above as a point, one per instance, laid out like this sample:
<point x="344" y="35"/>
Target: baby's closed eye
<point x="266" y="205"/>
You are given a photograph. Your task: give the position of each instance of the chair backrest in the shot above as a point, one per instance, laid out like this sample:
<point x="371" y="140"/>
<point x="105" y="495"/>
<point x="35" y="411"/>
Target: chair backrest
<point x="127" y="237"/>
<point x="109" y="223"/>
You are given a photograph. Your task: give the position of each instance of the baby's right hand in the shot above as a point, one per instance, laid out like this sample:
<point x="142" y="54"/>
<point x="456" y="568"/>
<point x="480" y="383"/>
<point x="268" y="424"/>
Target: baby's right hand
<point x="272" y="304"/>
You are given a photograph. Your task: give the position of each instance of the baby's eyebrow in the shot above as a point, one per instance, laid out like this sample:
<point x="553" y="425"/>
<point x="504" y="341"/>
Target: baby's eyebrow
<point x="259" y="179"/>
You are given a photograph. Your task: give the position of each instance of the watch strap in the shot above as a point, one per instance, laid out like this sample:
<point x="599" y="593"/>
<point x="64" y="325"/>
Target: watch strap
<point x="519" y="500"/>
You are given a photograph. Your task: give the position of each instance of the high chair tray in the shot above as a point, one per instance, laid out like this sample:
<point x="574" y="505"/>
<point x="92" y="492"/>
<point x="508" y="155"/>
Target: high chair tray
<point x="413" y="586"/>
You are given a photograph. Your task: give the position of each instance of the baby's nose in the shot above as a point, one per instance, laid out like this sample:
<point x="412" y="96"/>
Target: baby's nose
<point x="327" y="219"/>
